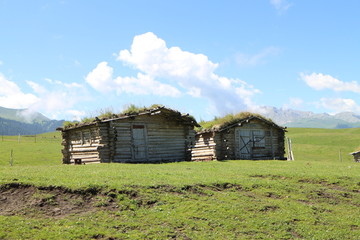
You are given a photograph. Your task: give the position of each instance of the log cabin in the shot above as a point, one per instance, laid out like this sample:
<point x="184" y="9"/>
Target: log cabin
<point x="152" y="135"/>
<point x="251" y="137"/>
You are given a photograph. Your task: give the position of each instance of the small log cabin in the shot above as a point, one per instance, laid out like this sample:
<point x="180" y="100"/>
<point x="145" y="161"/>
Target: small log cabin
<point x="252" y="137"/>
<point x="153" y="135"/>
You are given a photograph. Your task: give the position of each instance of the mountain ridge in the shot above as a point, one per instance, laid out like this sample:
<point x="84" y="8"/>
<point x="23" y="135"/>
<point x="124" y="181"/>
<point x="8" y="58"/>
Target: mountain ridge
<point x="25" y="122"/>
<point x="22" y="115"/>
<point x="297" y="118"/>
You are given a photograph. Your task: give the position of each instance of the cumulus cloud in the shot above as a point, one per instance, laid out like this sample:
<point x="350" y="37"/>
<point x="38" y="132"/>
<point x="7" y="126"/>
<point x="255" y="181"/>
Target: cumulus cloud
<point x="144" y="84"/>
<point x="170" y="71"/>
<point x="150" y="54"/>
<point x="101" y="78"/>
<point x="11" y="95"/>
<point x="37" y="88"/>
<point x="76" y="114"/>
<point x="57" y="97"/>
<point x="339" y="104"/>
<point x="319" y="81"/>
<point x="258" y="58"/>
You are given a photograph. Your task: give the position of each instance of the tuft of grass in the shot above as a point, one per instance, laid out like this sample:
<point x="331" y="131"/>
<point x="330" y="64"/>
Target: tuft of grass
<point x="219" y="122"/>
<point x="68" y="124"/>
<point x="133" y="109"/>
<point x="87" y="120"/>
<point x="108" y="114"/>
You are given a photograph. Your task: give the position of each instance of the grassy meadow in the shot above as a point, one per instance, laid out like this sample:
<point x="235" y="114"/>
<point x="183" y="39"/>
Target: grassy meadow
<point x="317" y="196"/>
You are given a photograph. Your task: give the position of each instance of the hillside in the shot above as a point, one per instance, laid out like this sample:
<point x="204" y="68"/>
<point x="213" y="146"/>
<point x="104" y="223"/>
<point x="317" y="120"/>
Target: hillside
<point x="316" y="196"/>
<point x="25" y="122"/>
<point x="22" y="115"/>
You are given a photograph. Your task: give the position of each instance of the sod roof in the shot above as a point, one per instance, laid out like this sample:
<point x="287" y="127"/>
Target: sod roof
<point x="132" y="112"/>
<point x="220" y="124"/>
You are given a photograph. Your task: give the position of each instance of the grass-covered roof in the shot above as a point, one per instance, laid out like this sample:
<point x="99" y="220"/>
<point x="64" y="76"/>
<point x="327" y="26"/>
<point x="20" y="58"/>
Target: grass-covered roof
<point x="132" y="111"/>
<point x="218" y="124"/>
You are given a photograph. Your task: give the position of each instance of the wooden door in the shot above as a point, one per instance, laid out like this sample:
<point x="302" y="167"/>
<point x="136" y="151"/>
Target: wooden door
<point x="244" y="144"/>
<point x="139" y="144"/>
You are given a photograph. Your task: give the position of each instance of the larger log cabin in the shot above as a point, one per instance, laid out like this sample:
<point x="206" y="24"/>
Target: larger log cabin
<point x="154" y="135"/>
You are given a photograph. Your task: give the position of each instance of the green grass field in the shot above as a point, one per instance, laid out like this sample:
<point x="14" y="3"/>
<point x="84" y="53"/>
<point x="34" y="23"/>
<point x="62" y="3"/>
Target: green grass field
<point x="317" y="196"/>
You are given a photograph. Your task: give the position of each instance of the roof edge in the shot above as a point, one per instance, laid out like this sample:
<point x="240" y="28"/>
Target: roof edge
<point x="239" y="122"/>
<point x="152" y="111"/>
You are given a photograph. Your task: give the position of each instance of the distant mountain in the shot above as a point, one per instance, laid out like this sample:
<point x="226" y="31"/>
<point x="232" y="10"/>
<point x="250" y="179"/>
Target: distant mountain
<point x="25" y="122"/>
<point x="22" y="115"/>
<point x="295" y="118"/>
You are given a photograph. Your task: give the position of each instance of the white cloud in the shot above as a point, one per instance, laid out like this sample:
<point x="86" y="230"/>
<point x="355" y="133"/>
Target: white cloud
<point x="54" y="99"/>
<point x="166" y="71"/>
<point x="319" y="81"/>
<point x="57" y="98"/>
<point x="11" y="95"/>
<point x="144" y="84"/>
<point x="150" y="54"/>
<point x="60" y="83"/>
<point x="37" y="88"/>
<point x="280" y="5"/>
<point x="259" y="58"/>
<point x="101" y="78"/>
<point x="339" y="105"/>
<point x="293" y="103"/>
<point x="76" y="114"/>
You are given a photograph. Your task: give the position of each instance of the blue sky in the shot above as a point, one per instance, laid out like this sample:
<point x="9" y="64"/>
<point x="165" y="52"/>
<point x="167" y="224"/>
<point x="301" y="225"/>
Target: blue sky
<point x="70" y="59"/>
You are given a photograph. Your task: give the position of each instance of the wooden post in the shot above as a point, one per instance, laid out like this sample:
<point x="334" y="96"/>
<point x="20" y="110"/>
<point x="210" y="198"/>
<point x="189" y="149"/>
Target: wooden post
<point x="290" y="152"/>
<point x="340" y="156"/>
<point x="11" y="157"/>
<point x="19" y="138"/>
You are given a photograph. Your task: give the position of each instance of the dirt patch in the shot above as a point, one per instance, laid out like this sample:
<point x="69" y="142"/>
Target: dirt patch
<point x="20" y="199"/>
<point x="269" y="176"/>
<point x="58" y="202"/>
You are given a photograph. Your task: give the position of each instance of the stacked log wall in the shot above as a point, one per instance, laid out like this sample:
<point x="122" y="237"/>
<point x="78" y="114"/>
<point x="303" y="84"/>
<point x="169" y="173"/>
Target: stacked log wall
<point x="274" y="141"/>
<point x="112" y="141"/>
<point x="204" y="147"/>
<point x="222" y="145"/>
<point x="225" y="144"/>
<point x="104" y="146"/>
<point x="82" y="143"/>
<point x="166" y="141"/>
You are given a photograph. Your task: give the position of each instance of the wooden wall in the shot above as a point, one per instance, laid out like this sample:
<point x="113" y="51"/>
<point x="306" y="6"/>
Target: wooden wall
<point x="81" y="143"/>
<point x="113" y="141"/>
<point x="166" y="141"/>
<point x="224" y="145"/>
<point x="204" y="147"/>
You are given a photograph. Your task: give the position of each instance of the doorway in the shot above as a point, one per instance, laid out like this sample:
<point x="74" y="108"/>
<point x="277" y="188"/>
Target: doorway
<point x="139" y="143"/>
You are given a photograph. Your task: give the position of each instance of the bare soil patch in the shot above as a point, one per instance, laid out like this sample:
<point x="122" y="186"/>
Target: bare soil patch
<point x="20" y="199"/>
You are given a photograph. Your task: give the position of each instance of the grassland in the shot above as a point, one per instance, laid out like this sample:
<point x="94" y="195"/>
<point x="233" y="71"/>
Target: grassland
<point x="317" y="196"/>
